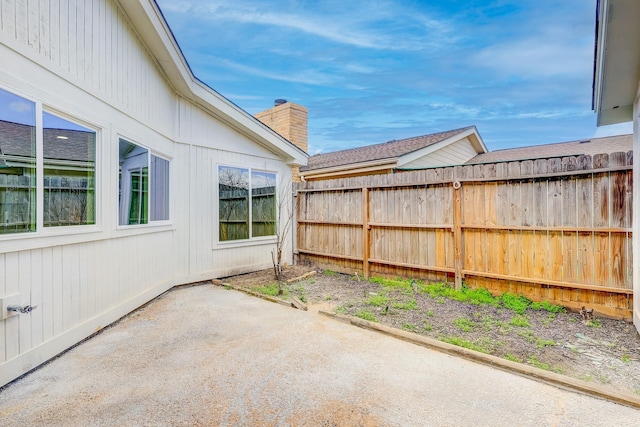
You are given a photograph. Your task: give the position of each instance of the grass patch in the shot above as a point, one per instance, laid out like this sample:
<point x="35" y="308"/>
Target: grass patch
<point x="409" y="327"/>
<point x="540" y="343"/>
<point x="547" y="306"/>
<point x="271" y="290"/>
<point x="409" y="305"/>
<point x="466" y="294"/>
<point x="595" y="323"/>
<point x="329" y="273"/>
<point x="341" y="310"/>
<point x="520" y="321"/>
<point x="378" y="300"/>
<point x="533" y="361"/>
<point x="464" y="324"/>
<point x="461" y="342"/>
<point x="406" y="286"/>
<point x="517" y="303"/>
<point x="512" y="357"/>
<point x="366" y="315"/>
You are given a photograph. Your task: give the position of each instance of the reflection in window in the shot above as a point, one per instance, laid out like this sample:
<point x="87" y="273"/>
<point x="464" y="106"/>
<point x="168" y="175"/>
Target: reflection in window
<point x="143" y="196"/>
<point x="159" y="188"/>
<point x="233" y="187"/>
<point x="235" y="199"/>
<point x="133" y="183"/>
<point x="17" y="164"/>
<point x="263" y="204"/>
<point x="69" y="172"/>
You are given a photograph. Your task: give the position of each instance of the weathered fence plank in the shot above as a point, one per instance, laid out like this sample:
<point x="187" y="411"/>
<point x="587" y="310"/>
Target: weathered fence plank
<point x="555" y="229"/>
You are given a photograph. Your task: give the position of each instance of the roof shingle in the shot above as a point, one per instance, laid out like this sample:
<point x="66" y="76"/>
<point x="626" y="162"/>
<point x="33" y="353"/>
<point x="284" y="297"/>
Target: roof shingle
<point x="387" y="150"/>
<point x="609" y="144"/>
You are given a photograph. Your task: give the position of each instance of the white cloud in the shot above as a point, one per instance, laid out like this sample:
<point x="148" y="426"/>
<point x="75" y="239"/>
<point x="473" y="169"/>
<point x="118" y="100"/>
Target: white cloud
<point x="21" y="107"/>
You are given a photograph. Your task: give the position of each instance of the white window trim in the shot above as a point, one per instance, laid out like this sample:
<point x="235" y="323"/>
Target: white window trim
<point x="41" y="230"/>
<point x="150" y="152"/>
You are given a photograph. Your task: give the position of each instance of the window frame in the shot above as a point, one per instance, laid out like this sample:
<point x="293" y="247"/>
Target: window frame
<point x="40" y="230"/>
<point x="149" y="202"/>
<point x="251" y="237"/>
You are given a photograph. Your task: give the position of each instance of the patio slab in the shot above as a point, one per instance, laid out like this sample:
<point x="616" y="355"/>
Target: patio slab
<point x="204" y="355"/>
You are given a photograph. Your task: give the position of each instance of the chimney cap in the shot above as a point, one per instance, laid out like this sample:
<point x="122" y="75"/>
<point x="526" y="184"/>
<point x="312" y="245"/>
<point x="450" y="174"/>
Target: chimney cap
<point x="279" y="101"/>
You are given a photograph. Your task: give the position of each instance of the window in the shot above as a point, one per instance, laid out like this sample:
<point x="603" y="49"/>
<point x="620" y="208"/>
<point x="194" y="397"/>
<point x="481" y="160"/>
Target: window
<point x="247" y="203"/>
<point x="67" y="171"/>
<point x="144" y="185"/>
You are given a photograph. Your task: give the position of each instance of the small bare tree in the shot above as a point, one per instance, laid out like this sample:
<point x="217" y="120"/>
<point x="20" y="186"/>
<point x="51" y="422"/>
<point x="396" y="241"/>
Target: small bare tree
<point x="283" y="226"/>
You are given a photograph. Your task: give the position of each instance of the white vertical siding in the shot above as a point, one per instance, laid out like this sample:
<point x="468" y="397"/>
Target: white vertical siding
<point x="92" y="43"/>
<point x="453" y="154"/>
<point x="82" y="58"/>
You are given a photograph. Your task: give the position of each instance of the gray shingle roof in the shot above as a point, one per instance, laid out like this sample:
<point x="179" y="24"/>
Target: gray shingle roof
<point x="387" y="150"/>
<point x="16" y="140"/>
<point x="609" y="144"/>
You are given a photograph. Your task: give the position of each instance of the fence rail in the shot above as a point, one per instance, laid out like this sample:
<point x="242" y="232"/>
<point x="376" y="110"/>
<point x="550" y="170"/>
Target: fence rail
<point x="552" y="229"/>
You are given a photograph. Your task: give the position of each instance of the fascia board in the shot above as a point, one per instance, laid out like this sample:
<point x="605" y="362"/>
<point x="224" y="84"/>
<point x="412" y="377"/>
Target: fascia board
<point x="352" y="168"/>
<point x="151" y="26"/>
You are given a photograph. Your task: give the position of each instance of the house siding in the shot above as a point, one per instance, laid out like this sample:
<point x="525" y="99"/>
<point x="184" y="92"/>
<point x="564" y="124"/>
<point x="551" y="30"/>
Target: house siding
<point x="84" y="60"/>
<point x="454" y="154"/>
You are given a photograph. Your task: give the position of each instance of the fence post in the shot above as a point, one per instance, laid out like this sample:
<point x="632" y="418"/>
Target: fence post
<point x="457" y="233"/>
<point x="365" y="232"/>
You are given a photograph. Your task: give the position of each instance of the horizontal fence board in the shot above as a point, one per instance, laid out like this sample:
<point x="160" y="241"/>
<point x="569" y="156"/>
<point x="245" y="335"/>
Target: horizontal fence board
<point x="550" y="229"/>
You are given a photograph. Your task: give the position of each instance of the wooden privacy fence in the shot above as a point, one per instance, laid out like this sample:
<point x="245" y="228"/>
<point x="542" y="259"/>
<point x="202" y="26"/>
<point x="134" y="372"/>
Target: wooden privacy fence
<point x="551" y="229"/>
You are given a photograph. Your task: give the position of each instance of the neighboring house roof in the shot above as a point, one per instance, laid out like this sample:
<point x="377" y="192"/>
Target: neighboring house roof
<point x="154" y="31"/>
<point x="18" y="140"/>
<point x="617" y="60"/>
<point x="406" y="153"/>
<point x="609" y="144"/>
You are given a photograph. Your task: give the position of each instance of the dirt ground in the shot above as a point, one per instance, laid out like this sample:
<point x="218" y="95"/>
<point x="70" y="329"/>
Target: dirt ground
<point x="599" y="350"/>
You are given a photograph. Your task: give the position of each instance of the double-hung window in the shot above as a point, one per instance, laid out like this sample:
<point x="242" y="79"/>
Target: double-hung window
<point x="47" y="168"/>
<point x="247" y="203"/>
<point x="144" y="185"/>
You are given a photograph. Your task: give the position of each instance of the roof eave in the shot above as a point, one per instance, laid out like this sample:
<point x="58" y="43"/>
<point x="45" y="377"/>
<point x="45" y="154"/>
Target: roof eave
<point x="471" y="133"/>
<point x="158" y="38"/>
<point x="617" y="60"/>
<point x="352" y="168"/>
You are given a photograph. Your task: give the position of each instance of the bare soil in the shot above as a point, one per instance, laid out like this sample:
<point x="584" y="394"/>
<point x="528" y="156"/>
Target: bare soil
<point x="599" y="350"/>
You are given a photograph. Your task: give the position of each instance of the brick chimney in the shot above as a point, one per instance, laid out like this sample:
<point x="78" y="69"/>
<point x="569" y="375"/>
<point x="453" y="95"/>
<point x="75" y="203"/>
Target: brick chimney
<point x="290" y="121"/>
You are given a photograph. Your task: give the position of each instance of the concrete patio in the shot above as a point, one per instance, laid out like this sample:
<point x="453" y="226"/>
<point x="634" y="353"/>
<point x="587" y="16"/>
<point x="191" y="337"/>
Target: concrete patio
<point x="204" y="355"/>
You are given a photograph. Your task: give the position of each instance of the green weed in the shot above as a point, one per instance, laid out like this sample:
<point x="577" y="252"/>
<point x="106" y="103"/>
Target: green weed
<point x="409" y="305"/>
<point x="366" y="315"/>
<point x="512" y="357"/>
<point x="533" y="361"/>
<point x="461" y="342"/>
<point x="595" y="323"/>
<point x="540" y="343"/>
<point x="517" y="303"/>
<point x="547" y="306"/>
<point x="464" y="324"/>
<point x="329" y="273"/>
<point x="341" y="310"/>
<point x="409" y="327"/>
<point x="378" y="300"/>
<point x="520" y="321"/>
<point x="271" y="290"/>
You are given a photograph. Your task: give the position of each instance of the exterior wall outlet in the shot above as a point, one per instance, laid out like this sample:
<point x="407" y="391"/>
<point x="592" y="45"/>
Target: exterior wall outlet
<point x="6" y="301"/>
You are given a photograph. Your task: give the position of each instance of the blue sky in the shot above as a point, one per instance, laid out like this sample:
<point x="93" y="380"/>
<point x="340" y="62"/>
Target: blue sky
<point x="370" y="71"/>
